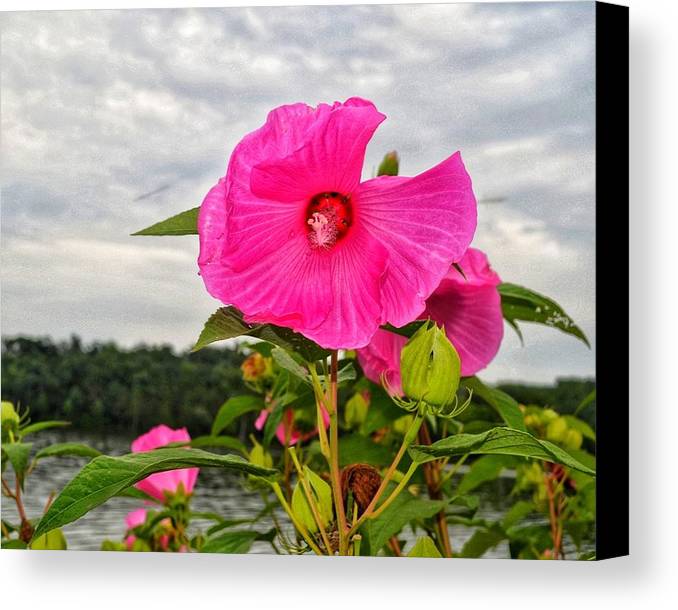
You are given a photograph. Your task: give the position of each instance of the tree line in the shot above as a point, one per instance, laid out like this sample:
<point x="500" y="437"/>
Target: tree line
<point x="104" y="388"/>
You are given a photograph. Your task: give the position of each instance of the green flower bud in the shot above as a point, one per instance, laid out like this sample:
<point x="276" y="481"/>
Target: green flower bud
<point x="573" y="439"/>
<point x="548" y="415"/>
<point x="260" y="457"/>
<point x="556" y="430"/>
<point x="322" y="494"/>
<point x="8" y="416"/>
<point x="390" y="165"/>
<point x="430" y="367"/>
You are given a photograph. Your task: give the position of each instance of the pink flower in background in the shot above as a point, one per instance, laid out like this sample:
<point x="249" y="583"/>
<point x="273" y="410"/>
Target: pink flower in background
<point x="468" y="308"/>
<point x="281" y="431"/>
<point x="157" y="484"/>
<point x="291" y="236"/>
<point x="134" y="519"/>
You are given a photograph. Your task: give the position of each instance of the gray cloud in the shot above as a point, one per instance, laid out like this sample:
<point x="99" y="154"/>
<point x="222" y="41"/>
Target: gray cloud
<point x="112" y="120"/>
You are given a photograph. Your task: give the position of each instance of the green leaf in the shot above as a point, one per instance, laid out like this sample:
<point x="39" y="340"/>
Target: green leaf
<point x="287" y="362"/>
<point x="322" y="496"/>
<point x="233" y="408"/>
<point x="359" y="449"/>
<point x="42" y="425"/>
<point x="590" y="397"/>
<point x="482" y="541"/>
<point x="498" y="441"/>
<point x="61" y="449"/>
<point x="402" y="510"/>
<point x="14" y="544"/>
<point x="185" y="223"/>
<point x="501" y="402"/>
<point x="224" y="441"/>
<point x="228" y="323"/>
<point x="19" y="455"/>
<point x="519" y="303"/>
<point x="230" y="542"/>
<point x="105" y="477"/>
<point x="51" y="541"/>
<point x="485" y="468"/>
<point x="424" y="547"/>
<point x="582" y="426"/>
<point x="225" y="524"/>
<point x="516" y="513"/>
<point x="272" y="421"/>
<point x="405" y="331"/>
<point x="382" y="411"/>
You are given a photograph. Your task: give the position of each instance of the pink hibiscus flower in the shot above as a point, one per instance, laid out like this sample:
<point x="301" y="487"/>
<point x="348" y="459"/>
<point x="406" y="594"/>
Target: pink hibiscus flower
<point x="470" y="311"/>
<point x="281" y="432"/>
<point x="291" y="236"/>
<point x="134" y="519"/>
<point x="156" y="485"/>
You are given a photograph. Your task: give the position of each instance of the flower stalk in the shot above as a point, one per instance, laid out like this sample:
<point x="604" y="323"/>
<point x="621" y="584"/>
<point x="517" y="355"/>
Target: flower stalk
<point x="313" y="505"/>
<point x="335" y="475"/>
<point x="297" y="524"/>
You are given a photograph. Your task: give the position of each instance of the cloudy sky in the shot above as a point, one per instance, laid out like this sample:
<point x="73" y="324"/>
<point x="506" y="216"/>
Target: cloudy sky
<point x="112" y="120"/>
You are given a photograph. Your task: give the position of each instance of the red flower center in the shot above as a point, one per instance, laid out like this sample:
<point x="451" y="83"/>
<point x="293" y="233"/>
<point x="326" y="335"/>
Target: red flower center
<point x="329" y="216"/>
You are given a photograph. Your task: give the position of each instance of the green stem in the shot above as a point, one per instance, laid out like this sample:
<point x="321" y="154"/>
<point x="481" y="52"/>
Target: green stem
<point x="319" y="405"/>
<point x="450" y="473"/>
<point x="311" y="500"/>
<point x="335" y="476"/>
<point x="300" y="527"/>
<point x="396" y="492"/>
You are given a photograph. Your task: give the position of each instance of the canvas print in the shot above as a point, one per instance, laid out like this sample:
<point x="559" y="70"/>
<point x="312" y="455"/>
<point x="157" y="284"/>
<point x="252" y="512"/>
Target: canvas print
<point x="303" y="280"/>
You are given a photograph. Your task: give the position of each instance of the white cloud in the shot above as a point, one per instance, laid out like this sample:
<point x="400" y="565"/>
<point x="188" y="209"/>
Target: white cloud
<point x="102" y="107"/>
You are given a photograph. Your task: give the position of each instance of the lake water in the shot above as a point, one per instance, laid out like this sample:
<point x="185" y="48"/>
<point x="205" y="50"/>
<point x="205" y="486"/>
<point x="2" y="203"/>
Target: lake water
<point x="216" y="491"/>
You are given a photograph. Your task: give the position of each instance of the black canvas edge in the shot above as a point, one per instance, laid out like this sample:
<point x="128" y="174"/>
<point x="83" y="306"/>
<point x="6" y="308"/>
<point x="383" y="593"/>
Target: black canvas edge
<point x="612" y="280"/>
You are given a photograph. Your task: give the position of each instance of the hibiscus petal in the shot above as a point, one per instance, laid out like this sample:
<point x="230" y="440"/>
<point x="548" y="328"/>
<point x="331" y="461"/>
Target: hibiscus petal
<point x="155" y="484"/>
<point x="330" y="161"/>
<point x="426" y="222"/>
<point x="212" y="224"/>
<point x="358" y="265"/>
<point x="470" y="310"/>
<point x="473" y="322"/>
<point x="382" y="357"/>
<point x="291" y="286"/>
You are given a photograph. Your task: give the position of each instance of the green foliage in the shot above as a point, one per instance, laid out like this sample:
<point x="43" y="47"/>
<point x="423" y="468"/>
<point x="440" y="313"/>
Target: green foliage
<point x="184" y="223"/>
<point x="51" y="541"/>
<point x="519" y="303"/>
<point x="18" y="455"/>
<point x="232" y="409"/>
<point x="424" y="547"/>
<point x="484" y="469"/>
<point x="504" y="441"/>
<point x="67" y="449"/>
<point x="356" y="449"/>
<point x="107" y="476"/>
<point x="230" y="542"/>
<point x="322" y="497"/>
<point x="405" y="509"/>
<point x="42" y="425"/>
<point x="506" y="407"/>
<point x="228" y="323"/>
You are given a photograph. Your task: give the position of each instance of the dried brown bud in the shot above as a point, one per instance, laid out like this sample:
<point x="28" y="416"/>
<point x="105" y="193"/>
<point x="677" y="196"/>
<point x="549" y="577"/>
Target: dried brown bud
<point x="363" y="481"/>
<point x="26" y="531"/>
